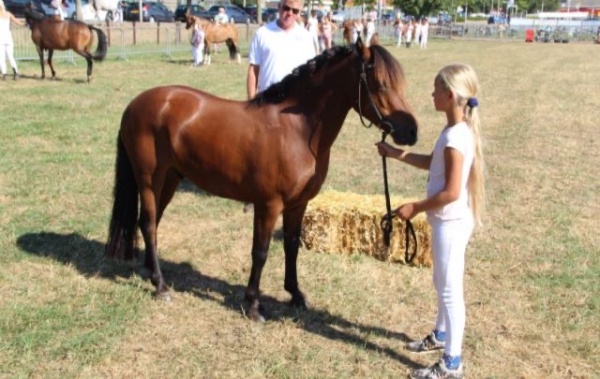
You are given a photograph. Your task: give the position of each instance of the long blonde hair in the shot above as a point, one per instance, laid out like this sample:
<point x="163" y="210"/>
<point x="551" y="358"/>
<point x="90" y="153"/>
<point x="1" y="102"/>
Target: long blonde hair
<point x="462" y="80"/>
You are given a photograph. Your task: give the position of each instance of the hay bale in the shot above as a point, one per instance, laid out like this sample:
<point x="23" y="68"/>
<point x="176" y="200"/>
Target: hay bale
<point x="347" y="223"/>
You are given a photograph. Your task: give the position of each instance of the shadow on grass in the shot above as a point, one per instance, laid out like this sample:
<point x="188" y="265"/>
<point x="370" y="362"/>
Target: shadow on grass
<point x="87" y="257"/>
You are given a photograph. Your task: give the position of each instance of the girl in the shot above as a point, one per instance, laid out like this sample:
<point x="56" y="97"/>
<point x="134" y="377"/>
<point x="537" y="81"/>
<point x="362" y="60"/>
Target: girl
<point x="6" y="41"/>
<point x="197" y="42"/>
<point x="454" y="202"/>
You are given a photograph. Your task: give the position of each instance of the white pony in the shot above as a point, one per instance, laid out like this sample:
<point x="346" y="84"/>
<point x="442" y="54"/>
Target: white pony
<point x="111" y="6"/>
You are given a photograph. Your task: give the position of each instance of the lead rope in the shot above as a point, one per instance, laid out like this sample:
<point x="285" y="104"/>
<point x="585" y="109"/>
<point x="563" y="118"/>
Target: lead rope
<point x="387" y="224"/>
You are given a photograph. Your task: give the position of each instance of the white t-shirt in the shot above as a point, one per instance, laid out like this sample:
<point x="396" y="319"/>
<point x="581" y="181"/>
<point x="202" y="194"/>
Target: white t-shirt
<point x="459" y="137"/>
<point x="278" y="52"/>
<point x="313" y="25"/>
<point x="221" y="18"/>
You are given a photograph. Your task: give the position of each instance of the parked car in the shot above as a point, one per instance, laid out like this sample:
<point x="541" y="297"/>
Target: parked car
<point x="235" y="14"/>
<point x="270" y="14"/>
<point x="151" y="12"/>
<point x="251" y="10"/>
<point x="497" y="20"/>
<point x="68" y="8"/>
<point x="16" y="7"/>
<point x="195" y="10"/>
<point x="338" y="16"/>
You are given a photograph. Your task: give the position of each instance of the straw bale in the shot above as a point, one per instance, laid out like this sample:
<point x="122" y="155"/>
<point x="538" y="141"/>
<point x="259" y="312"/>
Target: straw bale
<point x="348" y="223"/>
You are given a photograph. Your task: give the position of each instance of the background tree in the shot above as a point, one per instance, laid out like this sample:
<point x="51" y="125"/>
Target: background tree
<point x="421" y="8"/>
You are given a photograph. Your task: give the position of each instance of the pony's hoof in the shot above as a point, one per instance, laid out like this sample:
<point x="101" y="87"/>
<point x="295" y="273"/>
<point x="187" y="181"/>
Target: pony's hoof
<point x="256" y="316"/>
<point x="299" y="302"/>
<point x="255" y="312"/>
<point x="164" y="296"/>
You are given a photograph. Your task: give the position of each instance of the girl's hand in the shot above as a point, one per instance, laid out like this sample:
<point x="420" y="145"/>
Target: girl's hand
<point x="407" y="211"/>
<point x="386" y="150"/>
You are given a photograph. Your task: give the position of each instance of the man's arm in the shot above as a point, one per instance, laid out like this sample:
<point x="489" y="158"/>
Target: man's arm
<point x="252" y="80"/>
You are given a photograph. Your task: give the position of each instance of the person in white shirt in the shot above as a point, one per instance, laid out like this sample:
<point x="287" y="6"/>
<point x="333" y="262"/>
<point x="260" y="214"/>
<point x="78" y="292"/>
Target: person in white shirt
<point x="454" y="203"/>
<point x="221" y="18"/>
<point x="424" y="33"/>
<point x="370" y="30"/>
<point x="277" y="48"/>
<point x="312" y="25"/>
<point x="197" y="42"/>
<point x="7" y="46"/>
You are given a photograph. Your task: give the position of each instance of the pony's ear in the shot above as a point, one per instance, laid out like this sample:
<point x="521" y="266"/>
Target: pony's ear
<point x="359" y="43"/>
<point x="362" y="49"/>
<point x="374" y="40"/>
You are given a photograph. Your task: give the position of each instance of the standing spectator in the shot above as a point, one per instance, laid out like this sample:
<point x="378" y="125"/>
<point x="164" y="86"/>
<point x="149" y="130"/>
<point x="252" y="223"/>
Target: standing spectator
<point x="424" y="33"/>
<point x="312" y="25"/>
<point x="410" y="27"/>
<point x="277" y="48"/>
<point x="418" y="32"/>
<point x="399" y="29"/>
<point x="455" y="198"/>
<point x="370" y="29"/>
<point x="327" y="30"/>
<point x="358" y="30"/>
<point x="7" y="46"/>
<point x="197" y="42"/>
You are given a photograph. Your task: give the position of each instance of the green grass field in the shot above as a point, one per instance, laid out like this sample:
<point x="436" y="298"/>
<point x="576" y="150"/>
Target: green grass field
<point x="533" y="271"/>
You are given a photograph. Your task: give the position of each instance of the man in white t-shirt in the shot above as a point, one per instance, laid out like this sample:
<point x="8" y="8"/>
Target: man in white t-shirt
<point x="221" y="18"/>
<point x="278" y="48"/>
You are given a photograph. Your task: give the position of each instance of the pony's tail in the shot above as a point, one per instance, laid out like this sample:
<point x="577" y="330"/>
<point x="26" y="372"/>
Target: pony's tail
<point x="122" y="236"/>
<point x="233" y="49"/>
<point x="102" y="48"/>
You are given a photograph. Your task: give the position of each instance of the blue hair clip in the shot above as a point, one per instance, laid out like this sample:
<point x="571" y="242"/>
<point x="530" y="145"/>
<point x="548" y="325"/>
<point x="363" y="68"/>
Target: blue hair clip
<point x="472" y="102"/>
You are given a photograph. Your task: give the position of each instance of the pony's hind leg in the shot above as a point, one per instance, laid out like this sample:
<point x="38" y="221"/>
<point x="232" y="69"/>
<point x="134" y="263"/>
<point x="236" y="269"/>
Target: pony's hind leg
<point x="148" y="225"/>
<point x="50" y="54"/>
<point x="292" y="225"/>
<point x="168" y="190"/>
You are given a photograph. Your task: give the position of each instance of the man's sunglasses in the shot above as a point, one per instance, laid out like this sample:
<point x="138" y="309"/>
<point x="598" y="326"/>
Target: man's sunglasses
<point x="286" y="8"/>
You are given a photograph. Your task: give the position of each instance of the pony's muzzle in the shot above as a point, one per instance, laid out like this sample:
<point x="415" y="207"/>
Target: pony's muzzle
<point x="403" y="132"/>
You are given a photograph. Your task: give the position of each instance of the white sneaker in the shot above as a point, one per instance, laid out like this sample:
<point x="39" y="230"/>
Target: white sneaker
<point x="438" y="371"/>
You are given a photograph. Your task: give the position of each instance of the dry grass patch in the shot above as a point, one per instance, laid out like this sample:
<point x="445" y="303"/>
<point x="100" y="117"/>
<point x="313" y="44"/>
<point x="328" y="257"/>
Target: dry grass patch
<point x="532" y="272"/>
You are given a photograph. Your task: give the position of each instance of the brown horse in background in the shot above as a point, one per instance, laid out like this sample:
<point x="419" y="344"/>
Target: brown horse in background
<point x="214" y="33"/>
<point x="272" y="151"/>
<point x="50" y="33"/>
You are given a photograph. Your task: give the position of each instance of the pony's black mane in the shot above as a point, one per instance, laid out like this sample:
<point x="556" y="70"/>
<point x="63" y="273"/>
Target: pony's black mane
<point x="278" y="92"/>
<point x="387" y="71"/>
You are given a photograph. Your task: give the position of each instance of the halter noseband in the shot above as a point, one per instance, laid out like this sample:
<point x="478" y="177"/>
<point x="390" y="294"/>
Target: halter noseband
<point x="380" y="120"/>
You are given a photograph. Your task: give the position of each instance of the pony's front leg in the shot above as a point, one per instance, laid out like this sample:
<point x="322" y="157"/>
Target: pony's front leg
<point x="207" y="54"/>
<point x="292" y="226"/>
<point x="90" y="65"/>
<point x="50" y="53"/>
<point x="264" y="223"/>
